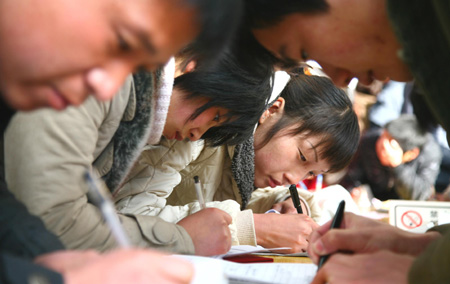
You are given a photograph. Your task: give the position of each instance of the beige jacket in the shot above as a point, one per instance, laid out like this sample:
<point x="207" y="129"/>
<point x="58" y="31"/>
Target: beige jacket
<point x="161" y="184"/>
<point x="46" y="154"/>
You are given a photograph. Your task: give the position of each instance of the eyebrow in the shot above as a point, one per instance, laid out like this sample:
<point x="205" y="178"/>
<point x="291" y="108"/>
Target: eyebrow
<point x="145" y="41"/>
<point x="315" y="151"/>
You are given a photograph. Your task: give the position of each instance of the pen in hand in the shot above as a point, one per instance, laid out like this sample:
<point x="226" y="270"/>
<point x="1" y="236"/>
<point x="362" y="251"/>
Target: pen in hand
<point x="295" y="198"/>
<point x="336" y="223"/>
<point x="198" y="190"/>
<point x="106" y="206"/>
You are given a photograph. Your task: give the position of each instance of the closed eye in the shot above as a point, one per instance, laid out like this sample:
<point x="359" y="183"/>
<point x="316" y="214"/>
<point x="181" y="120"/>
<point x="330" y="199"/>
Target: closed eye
<point x="302" y="157"/>
<point x="123" y="44"/>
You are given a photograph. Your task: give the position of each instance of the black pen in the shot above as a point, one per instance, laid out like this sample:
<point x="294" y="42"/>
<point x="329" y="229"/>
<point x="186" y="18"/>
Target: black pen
<point x="295" y="198"/>
<point x="336" y="223"/>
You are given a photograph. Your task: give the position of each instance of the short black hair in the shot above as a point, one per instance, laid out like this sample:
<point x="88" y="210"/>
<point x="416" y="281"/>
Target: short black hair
<point x="266" y="13"/>
<point x="231" y="85"/>
<point x="407" y="131"/>
<point x="317" y="107"/>
<point x="219" y="20"/>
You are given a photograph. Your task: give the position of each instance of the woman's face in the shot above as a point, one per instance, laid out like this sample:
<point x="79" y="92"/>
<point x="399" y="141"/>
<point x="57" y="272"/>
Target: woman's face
<point x="286" y="159"/>
<point x="179" y="126"/>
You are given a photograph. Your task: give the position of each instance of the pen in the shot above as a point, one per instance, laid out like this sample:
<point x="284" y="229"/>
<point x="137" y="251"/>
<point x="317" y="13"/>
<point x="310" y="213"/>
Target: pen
<point x="106" y="206"/>
<point x="295" y="198"/>
<point x="198" y="189"/>
<point x="336" y="223"/>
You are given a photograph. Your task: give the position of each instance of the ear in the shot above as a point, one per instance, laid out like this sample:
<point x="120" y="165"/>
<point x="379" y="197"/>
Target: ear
<point x="276" y="108"/>
<point x="410" y="155"/>
<point x="182" y="68"/>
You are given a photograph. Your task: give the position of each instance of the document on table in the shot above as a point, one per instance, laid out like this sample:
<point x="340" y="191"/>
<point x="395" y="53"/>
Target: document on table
<point x="210" y="270"/>
<point x="247" y="249"/>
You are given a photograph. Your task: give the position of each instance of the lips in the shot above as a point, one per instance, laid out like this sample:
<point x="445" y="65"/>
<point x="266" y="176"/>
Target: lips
<point x="273" y="183"/>
<point x="178" y="136"/>
<point x="57" y="100"/>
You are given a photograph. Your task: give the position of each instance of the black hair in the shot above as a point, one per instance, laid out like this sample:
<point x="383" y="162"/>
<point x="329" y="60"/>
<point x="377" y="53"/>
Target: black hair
<point x="317" y="107"/>
<point x="233" y="86"/>
<point x="407" y="131"/>
<point x="219" y="20"/>
<point x="266" y="13"/>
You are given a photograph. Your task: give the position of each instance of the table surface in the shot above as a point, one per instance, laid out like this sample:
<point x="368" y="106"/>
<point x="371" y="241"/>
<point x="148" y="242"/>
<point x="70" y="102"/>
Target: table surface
<point x="289" y="259"/>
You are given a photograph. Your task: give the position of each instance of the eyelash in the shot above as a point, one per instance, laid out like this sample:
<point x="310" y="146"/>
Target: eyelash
<point x="122" y="43"/>
<point x="302" y="157"/>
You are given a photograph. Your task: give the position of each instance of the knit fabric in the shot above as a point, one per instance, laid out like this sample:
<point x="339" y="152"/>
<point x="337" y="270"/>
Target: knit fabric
<point x="160" y="107"/>
<point x="243" y="169"/>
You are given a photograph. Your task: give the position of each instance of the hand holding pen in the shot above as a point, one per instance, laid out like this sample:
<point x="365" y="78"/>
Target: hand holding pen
<point x="336" y="223"/>
<point x="198" y="190"/>
<point x="295" y="198"/>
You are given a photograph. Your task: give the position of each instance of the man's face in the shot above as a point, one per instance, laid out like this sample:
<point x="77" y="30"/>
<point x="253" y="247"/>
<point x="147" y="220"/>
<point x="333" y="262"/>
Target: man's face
<point x="352" y="39"/>
<point x="57" y="52"/>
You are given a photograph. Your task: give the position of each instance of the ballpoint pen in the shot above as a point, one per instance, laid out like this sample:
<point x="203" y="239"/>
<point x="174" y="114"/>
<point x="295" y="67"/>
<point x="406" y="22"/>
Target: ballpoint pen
<point x="106" y="206"/>
<point x="336" y="223"/>
<point x="295" y="198"/>
<point x="198" y="190"/>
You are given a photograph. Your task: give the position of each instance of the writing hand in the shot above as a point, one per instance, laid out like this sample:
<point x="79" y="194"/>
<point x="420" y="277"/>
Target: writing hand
<point x="364" y="235"/>
<point x="287" y="207"/>
<point x="284" y="230"/>
<point x="209" y="231"/>
<point x="120" y="266"/>
<point x="380" y="267"/>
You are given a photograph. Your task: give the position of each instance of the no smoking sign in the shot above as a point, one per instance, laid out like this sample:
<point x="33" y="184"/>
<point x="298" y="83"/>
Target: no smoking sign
<point x="411" y="219"/>
<point x="410" y="215"/>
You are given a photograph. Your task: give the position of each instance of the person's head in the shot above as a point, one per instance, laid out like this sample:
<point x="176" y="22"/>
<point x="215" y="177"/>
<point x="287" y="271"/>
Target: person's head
<point x="311" y="129"/>
<point x="350" y="38"/>
<point x="401" y="141"/>
<point x="58" y="52"/>
<point x="219" y="103"/>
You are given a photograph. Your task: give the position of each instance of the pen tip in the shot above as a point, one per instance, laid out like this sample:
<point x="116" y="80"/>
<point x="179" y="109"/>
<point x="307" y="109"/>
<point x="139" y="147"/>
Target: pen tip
<point x="196" y="179"/>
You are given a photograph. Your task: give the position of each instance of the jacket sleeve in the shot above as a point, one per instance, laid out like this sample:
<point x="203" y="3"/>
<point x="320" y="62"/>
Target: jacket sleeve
<point x="153" y="179"/>
<point x="23" y="237"/>
<point x="432" y="265"/>
<point x="46" y="154"/>
<point x="18" y="270"/>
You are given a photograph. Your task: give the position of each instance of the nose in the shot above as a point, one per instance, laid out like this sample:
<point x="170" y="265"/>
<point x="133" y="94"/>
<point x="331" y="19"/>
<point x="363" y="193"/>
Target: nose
<point x="340" y="77"/>
<point x="197" y="132"/>
<point x="295" y="176"/>
<point x="106" y="80"/>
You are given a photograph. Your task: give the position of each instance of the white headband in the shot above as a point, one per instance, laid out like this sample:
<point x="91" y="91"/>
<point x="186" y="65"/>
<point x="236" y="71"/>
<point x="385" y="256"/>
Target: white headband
<point x="280" y="81"/>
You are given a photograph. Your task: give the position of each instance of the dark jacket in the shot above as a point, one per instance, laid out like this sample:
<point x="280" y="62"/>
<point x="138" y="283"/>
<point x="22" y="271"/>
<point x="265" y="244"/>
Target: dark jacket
<point x="423" y="28"/>
<point x="22" y="235"/>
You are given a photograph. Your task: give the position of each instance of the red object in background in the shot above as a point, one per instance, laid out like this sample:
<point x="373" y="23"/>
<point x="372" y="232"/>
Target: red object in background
<point x="312" y="184"/>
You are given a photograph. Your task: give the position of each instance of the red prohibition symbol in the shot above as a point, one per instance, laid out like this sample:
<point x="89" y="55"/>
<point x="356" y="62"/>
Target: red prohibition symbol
<point x="411" y="219"/>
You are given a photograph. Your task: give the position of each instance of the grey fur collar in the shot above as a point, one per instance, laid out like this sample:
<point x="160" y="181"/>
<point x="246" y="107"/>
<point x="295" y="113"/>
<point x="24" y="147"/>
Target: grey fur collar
<point x="243" y="169"/>
<point x="132" y="135"/>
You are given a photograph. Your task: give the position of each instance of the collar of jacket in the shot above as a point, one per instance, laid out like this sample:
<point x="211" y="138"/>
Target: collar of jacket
<point x="243" y="169"/>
